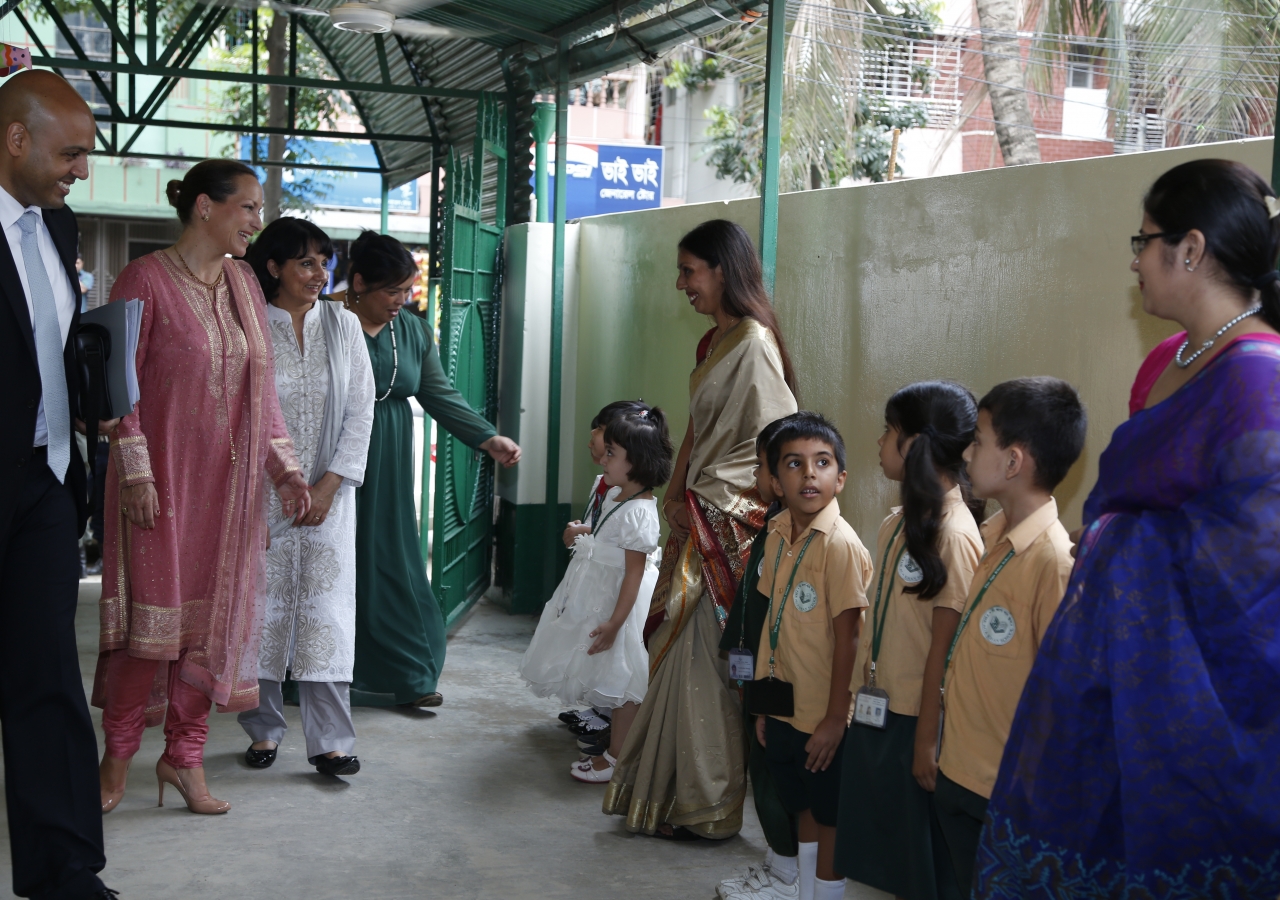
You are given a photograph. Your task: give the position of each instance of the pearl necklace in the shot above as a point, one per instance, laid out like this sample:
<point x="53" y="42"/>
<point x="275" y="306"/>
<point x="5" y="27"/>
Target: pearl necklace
<point x="1183" y="363"/>
<point x="395" y="363"/>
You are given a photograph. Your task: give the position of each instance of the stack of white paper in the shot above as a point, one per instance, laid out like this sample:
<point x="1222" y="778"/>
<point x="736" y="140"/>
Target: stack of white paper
<point x="133" y="322"/>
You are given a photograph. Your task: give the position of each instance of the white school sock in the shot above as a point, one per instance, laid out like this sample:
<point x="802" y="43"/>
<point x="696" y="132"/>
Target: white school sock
<point x="603" y="712"/>
<point x="808" y="866"/>
<point x="785" y="868"/>
<point x="828" y="890"/>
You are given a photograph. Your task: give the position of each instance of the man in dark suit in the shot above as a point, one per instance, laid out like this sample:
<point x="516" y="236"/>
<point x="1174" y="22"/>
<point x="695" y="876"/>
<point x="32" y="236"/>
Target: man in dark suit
<point x="50" y="752"/>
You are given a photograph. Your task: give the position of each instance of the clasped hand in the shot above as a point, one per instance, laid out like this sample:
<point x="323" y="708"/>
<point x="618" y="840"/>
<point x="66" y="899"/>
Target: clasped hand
<point x="572" y="530"/>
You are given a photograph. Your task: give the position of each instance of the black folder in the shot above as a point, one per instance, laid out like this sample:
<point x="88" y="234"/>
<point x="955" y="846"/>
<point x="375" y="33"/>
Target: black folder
<point x="121" y="321"/>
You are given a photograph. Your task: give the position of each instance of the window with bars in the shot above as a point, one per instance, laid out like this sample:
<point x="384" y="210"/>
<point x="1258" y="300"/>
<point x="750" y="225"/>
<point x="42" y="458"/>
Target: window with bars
<point x="1080" y="66"/>
<point x="94" y="38"/>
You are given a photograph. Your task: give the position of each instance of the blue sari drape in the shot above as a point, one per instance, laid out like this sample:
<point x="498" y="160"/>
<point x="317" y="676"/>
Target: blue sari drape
<point x="1144" y="761"/>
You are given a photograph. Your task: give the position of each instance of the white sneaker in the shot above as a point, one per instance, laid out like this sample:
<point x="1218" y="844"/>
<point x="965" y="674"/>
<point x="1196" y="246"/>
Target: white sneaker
<point x="736" y="884"/>
<point x="773" y="890"/>
<point x="759" y="884"/>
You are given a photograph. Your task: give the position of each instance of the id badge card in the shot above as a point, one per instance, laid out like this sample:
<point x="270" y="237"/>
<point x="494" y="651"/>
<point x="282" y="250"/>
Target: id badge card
<point x="742" y="664"/>
<point x="871" y="707"/>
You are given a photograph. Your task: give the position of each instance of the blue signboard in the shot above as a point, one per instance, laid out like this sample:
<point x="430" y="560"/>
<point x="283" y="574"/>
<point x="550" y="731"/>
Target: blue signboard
<point x="609" y="178"/>
<point x="339" y="190"/>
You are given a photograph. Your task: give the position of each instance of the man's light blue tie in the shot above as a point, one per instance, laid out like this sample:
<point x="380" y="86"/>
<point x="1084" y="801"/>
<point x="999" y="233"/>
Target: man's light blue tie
<point x="53" y="377"/>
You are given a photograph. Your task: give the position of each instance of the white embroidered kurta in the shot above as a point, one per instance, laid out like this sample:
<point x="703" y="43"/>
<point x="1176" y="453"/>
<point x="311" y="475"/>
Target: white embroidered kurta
<point x="309" y="626"/>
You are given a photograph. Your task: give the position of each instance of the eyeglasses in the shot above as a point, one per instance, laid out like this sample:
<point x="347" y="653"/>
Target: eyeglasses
<point x="1138" y="242"/>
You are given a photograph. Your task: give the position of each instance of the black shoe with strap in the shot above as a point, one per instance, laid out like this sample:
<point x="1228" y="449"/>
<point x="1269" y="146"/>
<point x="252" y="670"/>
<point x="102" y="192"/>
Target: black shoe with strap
<point x="106" y="894"/>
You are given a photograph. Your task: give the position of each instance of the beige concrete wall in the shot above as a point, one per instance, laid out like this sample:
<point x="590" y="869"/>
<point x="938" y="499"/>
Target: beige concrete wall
<point x="978" y="277"/>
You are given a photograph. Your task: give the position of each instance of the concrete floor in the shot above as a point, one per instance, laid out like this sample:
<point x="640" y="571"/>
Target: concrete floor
<point x="471" y="801"/>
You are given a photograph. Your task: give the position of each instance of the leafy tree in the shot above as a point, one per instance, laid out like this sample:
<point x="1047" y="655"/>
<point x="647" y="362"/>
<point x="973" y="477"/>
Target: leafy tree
<point x="830" y="128"/>
<point x="313" y="108"/>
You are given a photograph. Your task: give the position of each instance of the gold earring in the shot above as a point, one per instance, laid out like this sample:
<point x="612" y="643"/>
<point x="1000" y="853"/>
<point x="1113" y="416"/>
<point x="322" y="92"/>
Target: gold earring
<point x="205" y="217"/>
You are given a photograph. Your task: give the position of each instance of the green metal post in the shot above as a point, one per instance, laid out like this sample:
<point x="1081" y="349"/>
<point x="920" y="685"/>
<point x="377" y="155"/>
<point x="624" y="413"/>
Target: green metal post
<point x="775" y="40"/>
<point x="1275" y="146"/>
<point x="386" y="191"/>
<point x="557" y="320"/>
<point x="544" y="124"/>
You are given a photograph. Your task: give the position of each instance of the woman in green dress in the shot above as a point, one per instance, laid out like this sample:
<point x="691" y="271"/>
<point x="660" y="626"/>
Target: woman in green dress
<point x="400" y="637"/>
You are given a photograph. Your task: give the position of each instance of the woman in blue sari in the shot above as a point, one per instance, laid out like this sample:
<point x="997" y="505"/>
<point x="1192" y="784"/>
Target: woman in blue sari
<point x="1144" y="761"/>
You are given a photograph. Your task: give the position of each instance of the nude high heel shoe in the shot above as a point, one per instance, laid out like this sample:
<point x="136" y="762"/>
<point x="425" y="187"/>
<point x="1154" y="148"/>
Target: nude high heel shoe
<point x="205" y="806"/>
<point x="110" y="797"/>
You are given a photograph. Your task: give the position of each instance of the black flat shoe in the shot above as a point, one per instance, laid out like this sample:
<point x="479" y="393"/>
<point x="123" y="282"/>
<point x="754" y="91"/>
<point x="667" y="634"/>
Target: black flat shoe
<point x="260" y="759"/>
<point x="426" y="700"/>
<point x="337" y="765"/>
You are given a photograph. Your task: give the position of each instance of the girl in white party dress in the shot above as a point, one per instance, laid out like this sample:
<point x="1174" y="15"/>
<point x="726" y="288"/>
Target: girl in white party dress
<point x="589" y="645"/>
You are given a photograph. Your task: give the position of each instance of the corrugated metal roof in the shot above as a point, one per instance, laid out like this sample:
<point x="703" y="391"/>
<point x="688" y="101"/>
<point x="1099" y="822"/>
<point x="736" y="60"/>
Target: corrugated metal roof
<point x="477" y="63"/>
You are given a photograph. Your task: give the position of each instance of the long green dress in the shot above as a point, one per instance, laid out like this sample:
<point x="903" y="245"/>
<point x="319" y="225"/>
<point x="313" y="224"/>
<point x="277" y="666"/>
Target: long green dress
<point x="400" y="638"/>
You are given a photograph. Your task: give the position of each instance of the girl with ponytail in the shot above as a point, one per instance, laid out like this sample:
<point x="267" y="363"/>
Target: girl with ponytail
<point x="928" y="549"/>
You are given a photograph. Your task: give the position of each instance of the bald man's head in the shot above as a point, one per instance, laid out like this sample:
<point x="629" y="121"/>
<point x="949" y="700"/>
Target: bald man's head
<point x="46" y="134"/>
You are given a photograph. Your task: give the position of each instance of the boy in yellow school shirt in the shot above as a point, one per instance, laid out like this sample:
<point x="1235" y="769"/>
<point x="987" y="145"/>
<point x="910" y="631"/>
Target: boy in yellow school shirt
<point x="815" y="573"/>
<point x="1030" y="432"/>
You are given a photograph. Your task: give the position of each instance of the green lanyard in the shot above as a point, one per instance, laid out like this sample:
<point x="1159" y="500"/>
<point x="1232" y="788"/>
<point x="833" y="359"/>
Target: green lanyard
<point x="615" y="509"/>
<point x="942" y="684"/>
<point x="777" y="622"/>
<point x="880" y="612"/>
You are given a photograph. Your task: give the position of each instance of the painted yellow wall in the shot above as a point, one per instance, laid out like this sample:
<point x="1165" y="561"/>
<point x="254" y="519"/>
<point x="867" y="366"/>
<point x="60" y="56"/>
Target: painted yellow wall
<point x="978" y="277"/>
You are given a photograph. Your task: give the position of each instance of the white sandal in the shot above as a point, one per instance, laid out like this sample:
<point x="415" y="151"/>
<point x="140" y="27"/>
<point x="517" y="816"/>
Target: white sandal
<point x="585" y="772"/>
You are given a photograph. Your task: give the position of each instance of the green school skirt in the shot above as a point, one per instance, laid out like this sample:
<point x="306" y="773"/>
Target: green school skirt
<point x="888" y="835"/>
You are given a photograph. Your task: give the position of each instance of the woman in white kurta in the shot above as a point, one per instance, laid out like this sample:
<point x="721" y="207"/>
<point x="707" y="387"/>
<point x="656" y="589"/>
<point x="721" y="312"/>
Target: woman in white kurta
<point x="326" y="389"/>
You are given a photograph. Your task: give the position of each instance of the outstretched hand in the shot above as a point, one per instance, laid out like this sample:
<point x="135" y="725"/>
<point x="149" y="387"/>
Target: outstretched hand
<point x="504" y="451"/>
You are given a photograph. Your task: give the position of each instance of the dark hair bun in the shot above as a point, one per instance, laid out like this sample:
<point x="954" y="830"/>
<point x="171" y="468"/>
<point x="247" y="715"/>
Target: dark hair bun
<point x="380" y="260"/>
<point x="174" y="192"/>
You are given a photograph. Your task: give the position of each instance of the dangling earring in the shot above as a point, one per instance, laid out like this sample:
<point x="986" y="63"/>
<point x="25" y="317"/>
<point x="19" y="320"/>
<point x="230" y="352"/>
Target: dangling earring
<point x="1187" y="263"/>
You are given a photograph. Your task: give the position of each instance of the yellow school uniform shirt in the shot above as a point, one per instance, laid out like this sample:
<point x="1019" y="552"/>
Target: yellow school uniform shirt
<point x="995" y="651"/>
<point x="832" y="578"/>
<point x="908" y="623"/>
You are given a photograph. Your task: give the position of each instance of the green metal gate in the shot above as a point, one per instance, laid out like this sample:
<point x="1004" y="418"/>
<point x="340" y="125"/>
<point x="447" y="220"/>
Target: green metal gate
<point x="472" y="224"/>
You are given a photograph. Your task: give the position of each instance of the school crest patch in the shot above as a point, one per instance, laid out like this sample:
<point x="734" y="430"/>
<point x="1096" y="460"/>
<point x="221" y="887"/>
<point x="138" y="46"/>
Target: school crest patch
<point x="908" y="571"/>
<point x="805" y="597"/>
<point x="997" y="626"/>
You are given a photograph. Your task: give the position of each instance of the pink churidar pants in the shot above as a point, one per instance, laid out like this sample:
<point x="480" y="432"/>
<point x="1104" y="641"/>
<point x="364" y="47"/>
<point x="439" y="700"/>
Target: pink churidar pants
<point x="186" y="722"/>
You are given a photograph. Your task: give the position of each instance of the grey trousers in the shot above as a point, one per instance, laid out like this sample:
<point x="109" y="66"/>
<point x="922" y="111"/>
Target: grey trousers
<point x="326" y="716"/>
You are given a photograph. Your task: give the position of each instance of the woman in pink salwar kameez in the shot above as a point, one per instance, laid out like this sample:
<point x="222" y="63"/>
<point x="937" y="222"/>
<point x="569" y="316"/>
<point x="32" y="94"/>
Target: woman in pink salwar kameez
<point x="185" y="527"/>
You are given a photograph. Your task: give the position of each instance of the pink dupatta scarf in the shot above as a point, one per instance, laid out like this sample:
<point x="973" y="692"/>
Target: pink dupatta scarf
<point x="206" y="431"/>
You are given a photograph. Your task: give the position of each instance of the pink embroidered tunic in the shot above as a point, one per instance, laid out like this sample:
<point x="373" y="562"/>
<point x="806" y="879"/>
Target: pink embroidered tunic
<point x="206" y="431"/>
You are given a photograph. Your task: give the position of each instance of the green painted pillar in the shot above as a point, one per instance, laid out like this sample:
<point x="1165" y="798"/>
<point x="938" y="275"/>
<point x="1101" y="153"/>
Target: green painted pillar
<point x="386" y="191"/>
<point x="775" y="42"/>
<point x="544" y="125"/>
<point x="555" y="547"/>
<point x="1275" y="146"/>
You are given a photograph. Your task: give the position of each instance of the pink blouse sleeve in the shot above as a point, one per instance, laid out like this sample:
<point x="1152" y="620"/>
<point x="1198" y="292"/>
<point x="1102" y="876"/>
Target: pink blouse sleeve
<point x="1150" y="371"/>
<point x="129" y="443"/>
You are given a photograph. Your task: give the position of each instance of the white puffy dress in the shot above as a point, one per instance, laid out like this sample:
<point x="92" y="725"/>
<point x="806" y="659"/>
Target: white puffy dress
<point x="556" y="663"/>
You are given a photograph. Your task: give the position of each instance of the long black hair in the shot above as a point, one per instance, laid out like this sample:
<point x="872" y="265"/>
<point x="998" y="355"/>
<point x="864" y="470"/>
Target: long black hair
<point x="941" y="416"/>
<point x="1225" y="201"/>
<point x="380" y="260"/>
<point x="726" y="245"/>
<point x="284" y="239"/>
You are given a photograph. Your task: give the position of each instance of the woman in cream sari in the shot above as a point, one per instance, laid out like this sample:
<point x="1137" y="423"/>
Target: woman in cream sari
<point x="682" y="770"/>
